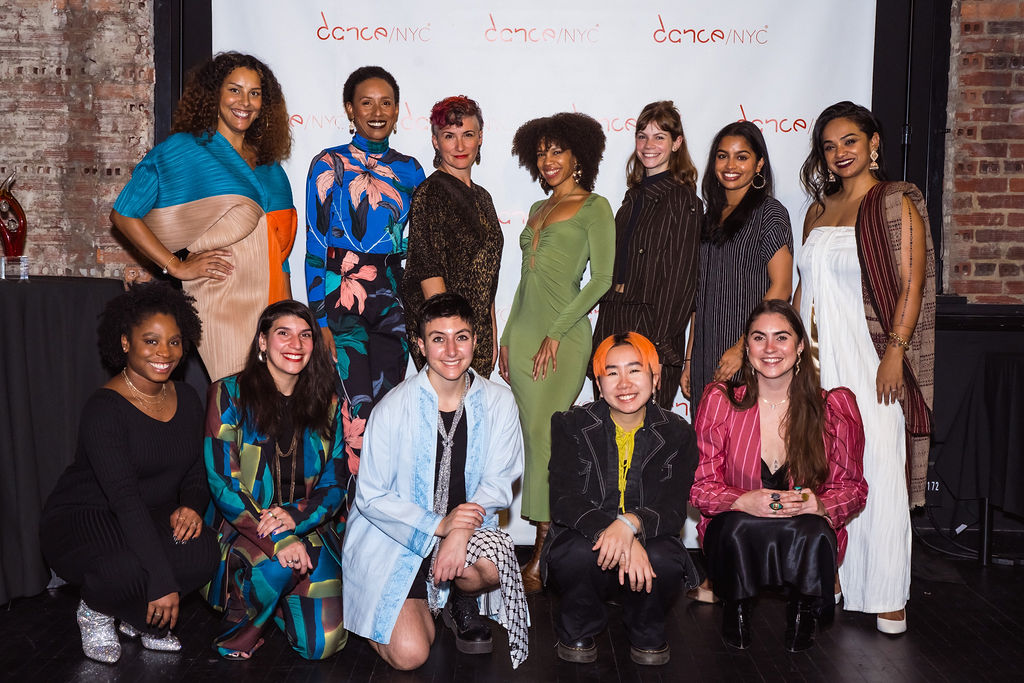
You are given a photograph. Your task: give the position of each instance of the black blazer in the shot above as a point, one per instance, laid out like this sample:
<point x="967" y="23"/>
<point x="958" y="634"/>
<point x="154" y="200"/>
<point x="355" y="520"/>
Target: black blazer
<point x="583" y="471"/>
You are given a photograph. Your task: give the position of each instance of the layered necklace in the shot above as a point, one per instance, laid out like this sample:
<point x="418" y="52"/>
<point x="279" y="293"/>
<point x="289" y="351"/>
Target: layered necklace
<point x="285" y="455"/>
<point x="147" y="400"/>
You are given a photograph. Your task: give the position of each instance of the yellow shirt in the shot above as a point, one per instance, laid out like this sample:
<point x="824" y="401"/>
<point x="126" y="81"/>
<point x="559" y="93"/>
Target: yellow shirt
<point x="624" y="442"/>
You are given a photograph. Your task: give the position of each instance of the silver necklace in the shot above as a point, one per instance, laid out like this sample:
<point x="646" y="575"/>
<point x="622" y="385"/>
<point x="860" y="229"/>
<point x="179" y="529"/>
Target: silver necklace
<point x="775" y="405"/>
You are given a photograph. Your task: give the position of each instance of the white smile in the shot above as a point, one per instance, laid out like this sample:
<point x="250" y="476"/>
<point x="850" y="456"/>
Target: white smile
<point x="731" y="177"/>
<point x="293" y="357"/>
<point x="844" y="163"/>
<point x="626" y="398"/>
<point x="376" y="124"/>
<point x="160" y="367"/>
<point x="241" y="113"/>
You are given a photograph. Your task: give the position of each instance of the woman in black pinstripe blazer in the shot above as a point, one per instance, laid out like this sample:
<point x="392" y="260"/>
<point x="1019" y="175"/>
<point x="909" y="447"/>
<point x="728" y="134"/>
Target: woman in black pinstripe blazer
<point x="657" y="233"/>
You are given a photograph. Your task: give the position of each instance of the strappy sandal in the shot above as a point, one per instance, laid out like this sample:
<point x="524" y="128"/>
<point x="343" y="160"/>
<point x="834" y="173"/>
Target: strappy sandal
<point x="240" y="654"/>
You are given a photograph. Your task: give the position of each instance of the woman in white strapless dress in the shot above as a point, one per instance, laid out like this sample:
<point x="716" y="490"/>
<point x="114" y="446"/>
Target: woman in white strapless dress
<point x="841" y="174"/>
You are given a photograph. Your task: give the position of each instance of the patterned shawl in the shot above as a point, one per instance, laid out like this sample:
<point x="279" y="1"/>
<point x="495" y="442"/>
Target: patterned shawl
<point x="879" y="241"/>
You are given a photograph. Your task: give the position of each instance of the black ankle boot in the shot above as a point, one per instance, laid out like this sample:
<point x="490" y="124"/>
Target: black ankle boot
<point x="472" y="635"/>
<point x="736" y="623"/>
<point x="801" y="615"/>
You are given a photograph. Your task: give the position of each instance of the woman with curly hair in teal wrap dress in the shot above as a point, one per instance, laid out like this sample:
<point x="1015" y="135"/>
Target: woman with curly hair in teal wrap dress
<point x="275" y="466"/>
<point x="357" y="204"/>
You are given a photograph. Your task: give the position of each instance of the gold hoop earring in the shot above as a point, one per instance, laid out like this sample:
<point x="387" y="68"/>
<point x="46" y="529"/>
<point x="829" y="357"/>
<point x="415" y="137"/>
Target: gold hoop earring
<point x="753" y="182"/>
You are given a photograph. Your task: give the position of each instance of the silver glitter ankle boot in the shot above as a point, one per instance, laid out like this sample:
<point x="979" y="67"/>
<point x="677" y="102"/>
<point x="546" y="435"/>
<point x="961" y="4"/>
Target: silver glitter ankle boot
<point x="168" y="643"/>
<point x="99" y="640"/>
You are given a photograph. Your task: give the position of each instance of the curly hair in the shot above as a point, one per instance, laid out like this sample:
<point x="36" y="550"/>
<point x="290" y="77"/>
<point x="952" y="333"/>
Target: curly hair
<point x="572" y="131"/>
<point x="804" y="421"/>
<point x="258" y="398"/>
<point x="365" y="73"/>
<point x="125" y="312"/>
<point x="718" y="231"/>
<point x="814" y="172"/>
<point x="198" y="109"/>
<point x="451" y="110"/>
<point x="666" y="117"/>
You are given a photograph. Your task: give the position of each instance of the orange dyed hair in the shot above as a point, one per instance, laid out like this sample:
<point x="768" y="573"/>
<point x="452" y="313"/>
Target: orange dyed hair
<point x="644" y="347"/>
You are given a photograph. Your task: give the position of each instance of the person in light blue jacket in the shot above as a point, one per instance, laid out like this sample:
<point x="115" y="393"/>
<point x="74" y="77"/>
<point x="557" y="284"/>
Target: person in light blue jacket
<point x="440" y="454"/>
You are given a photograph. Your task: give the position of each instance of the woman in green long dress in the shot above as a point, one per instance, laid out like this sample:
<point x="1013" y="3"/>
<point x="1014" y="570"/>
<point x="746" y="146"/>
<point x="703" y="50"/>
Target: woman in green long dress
<point x="546" y="343"/>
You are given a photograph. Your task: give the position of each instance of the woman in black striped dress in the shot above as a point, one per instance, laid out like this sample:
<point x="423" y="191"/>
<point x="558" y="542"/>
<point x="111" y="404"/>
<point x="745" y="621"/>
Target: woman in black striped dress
<point x="746" y="255"/>
<point x="657" y="231"/>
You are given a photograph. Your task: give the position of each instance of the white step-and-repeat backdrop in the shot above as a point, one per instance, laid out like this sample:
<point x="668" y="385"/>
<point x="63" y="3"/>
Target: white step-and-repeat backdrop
<point x="777" y="63"/>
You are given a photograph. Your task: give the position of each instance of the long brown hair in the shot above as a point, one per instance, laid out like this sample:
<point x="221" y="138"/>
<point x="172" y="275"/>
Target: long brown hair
<point x="804" y="422"/>
<point x="196" y="113"/>
<point x="258" y="398"/>
<point x="665" y="116"/>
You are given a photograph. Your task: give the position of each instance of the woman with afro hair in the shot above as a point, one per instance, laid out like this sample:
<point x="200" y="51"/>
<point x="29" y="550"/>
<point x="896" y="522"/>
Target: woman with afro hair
<point x="123" y="520"/>
<point x="211" y="205"/>
<point x="546" y="344"/>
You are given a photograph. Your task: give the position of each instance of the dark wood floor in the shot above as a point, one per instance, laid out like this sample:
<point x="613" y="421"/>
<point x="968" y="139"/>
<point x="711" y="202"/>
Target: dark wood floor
<point x="966" y="623"/>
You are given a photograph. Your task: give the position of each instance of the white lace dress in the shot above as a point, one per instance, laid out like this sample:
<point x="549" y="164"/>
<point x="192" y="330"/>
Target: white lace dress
<point x="875" y="574"/>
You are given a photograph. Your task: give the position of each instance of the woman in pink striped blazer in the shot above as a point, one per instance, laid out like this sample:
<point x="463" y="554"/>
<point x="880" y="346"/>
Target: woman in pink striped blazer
<point x="780" y="473"/>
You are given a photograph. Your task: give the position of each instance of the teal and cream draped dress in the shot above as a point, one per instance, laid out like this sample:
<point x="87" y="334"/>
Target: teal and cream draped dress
<point x="197" y="193"/>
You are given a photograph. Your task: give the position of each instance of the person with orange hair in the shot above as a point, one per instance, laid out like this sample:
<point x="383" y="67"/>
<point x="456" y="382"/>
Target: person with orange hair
<point x="615" y="529"/>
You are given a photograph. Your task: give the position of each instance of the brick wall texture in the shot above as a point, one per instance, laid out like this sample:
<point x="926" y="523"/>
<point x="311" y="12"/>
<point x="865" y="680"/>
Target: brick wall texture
<point x="75" y="117"/>
<point x="984" y="189"/>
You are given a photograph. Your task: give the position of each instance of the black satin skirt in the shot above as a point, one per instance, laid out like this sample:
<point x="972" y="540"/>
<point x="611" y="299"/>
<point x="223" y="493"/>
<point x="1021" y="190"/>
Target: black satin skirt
<point x="746" y="553"/>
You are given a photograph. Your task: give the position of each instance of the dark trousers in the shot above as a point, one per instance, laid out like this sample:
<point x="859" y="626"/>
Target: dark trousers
<point x="583" y="588"/>
<point x="86" y="547"/>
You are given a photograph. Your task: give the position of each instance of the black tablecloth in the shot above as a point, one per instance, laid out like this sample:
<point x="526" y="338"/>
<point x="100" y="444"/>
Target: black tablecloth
<point x="983" y="455"/>
<point x="49" y="365"/>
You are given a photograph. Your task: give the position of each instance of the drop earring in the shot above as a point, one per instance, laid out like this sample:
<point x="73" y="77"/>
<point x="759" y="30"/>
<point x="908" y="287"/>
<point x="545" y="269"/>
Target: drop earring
<point x="873" y="166"/>
<point x="577" y="173"/>
<point x="831" y="176"/>
<point x="437" y="158"/>
<point x="351" y="127"/>
<point x="479" y="151"/>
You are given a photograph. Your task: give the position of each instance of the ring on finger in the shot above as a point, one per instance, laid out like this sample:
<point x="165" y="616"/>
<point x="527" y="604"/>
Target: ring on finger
<point x="775" y="506"/>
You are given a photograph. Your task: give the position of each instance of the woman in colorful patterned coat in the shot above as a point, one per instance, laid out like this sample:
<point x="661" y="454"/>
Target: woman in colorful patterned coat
<point x="276" y="473"/>
<point x="215" y="192"/>
<point x="357" y="203"/>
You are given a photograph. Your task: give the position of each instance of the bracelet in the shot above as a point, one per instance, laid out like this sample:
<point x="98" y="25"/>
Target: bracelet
<point x="899" y="341"/>
<point x="625" y="520"/>
<point x="164" y="269"/>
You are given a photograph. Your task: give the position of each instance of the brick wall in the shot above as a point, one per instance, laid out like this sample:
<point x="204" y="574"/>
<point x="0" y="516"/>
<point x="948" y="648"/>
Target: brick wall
<point x="75" y="117"/>
<point x="984" y="190"/>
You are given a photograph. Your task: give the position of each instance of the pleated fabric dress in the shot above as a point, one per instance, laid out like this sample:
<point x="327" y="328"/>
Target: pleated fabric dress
<point x="197" y="193"/>
<point x="549" y="302"/>
<point x="875" y="575"/>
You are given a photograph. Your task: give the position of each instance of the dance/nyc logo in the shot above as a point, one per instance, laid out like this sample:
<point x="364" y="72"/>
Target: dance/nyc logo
<point x="773" y="124"/>
<point x="384" y="34"/>
<point x="540" y="34"/>
<point x="703" y="35"/>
